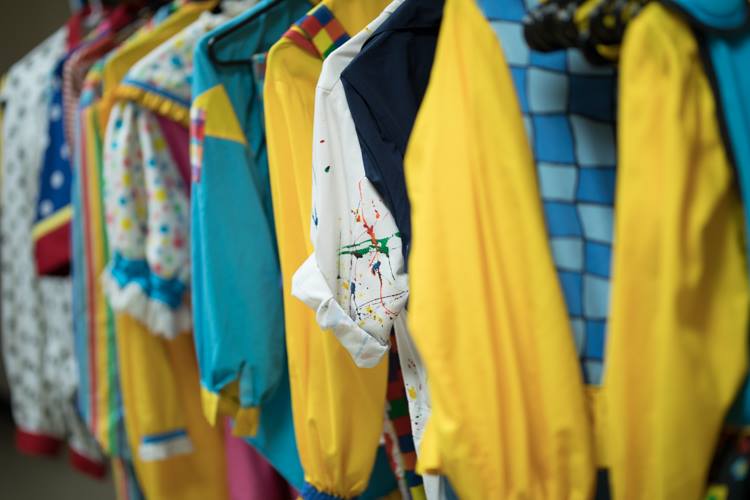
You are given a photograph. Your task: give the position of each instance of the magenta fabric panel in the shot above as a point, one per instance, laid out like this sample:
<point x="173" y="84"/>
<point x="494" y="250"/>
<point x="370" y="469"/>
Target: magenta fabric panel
<point x="178" y="142"/>
<point x="250" y="476"/>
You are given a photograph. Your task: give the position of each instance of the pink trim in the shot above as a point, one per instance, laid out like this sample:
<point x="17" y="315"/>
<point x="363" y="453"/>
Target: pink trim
<point x="177" y="137"/>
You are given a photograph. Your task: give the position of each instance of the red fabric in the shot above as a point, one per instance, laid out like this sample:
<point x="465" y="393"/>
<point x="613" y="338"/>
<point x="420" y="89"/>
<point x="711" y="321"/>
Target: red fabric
<point x="52" y="252"/>
<point x="302" y="42"/>
<point x="402" y="425"/>
<point x="121" y="16"/>
<point x="87" y="466"/>
<point x="31" y="443"/>
<point x="76" y="28"/>
<point x="177" y="137"/>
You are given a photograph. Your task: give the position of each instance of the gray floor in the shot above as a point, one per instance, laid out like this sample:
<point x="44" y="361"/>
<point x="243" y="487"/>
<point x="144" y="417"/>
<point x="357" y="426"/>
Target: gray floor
<point x="36" y="478"/>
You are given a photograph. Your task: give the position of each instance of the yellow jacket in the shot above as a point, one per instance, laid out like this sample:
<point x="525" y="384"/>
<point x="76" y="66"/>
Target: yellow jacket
<point x="511" y="416"/>
<point x="338" y="407"/>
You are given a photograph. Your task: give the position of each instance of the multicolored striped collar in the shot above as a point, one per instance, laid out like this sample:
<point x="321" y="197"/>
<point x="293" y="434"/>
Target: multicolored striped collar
<point x="318" y="32"/>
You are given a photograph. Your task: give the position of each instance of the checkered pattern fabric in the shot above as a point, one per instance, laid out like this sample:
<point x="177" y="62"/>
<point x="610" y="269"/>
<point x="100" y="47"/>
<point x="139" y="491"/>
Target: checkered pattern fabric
<point x="398" y="414"/>
<point x="197" y="136"/>
<point x="318" y="32"/>
<point x="568" y="109"/>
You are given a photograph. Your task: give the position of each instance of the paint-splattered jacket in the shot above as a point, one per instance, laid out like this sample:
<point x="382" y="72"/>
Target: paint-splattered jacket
<point x="355" y="280"/>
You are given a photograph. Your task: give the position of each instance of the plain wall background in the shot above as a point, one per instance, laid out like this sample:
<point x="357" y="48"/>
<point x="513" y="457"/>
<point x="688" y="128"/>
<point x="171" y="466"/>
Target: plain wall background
<point x="26" y="23"/>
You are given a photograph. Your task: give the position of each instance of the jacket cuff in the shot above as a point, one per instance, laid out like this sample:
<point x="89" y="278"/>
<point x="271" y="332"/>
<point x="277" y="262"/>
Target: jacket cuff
<point x="310" y="492"/>
<point x="309" y="286"/>
<point x="245" y="420"/>
<point x="156" y="302"/>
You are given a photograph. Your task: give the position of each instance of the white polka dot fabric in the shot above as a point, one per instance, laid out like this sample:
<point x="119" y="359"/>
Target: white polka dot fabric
<point x="36" y="313"/>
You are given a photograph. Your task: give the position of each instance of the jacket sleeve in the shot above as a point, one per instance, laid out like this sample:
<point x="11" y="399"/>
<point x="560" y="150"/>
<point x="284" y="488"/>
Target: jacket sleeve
<point x="146" y="210"/>
<point x="238" y="313"/>
<point x="355" y="279"/>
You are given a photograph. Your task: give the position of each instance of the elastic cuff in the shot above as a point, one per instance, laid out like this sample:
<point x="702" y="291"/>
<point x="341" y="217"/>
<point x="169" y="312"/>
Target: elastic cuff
<point x="310" y="492"/>
<point x="86" y="465"/>
<point x="309" y="285"/>
<point x="226" y="403"/>
<point x="131" y="298"/>
<point x="164" y="445"/>
<point x="246" y="422"/>
<point x="32" y="443"/>
<point x="210" y="404"/>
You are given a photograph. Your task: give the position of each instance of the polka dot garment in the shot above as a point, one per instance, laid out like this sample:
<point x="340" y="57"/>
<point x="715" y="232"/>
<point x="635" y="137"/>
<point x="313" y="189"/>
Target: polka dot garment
<point x="36" y="312"/>
<point x="51" y="232"/>
<point x="146" y="214"/>
<point x="146" y="191"/>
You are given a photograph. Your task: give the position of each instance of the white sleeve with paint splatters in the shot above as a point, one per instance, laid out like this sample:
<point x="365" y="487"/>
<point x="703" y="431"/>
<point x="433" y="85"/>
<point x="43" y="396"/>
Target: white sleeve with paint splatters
<point x="355" y="279"/>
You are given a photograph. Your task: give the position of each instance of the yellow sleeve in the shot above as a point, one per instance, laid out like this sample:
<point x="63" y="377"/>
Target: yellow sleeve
<point x="509" y="416"/>
<point x="338" y="408"/>
<point x="679" y="313"/>
<point x="166" y="430"/>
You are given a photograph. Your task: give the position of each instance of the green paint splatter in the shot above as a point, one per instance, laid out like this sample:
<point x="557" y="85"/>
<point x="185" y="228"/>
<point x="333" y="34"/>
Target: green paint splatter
<point x="362" y="248"/>
<point x="328" y="168"/>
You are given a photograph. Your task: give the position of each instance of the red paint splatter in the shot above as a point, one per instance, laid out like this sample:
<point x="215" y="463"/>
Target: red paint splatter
<point x="371" y="232"/>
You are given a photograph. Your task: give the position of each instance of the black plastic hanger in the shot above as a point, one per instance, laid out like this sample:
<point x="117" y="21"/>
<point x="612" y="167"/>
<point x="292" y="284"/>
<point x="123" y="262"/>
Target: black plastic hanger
<point x="551" y="25"/>
<point x="218" y="38"/>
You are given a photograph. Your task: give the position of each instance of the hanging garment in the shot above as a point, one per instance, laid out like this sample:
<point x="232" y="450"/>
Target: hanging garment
<point x="167" y="22"/>
<point x="124" y="480"/>
<point x="168" y="407"/>
<point x="335" y="208"/>
<point x="159" y="381"/>
<point x="99" y="396"/>
<point x="36" y="312"/>
<point x="722" y="30"/>
<point x="568" y="109"/>
<point x="474" y="197"/>
<point x="147" y="200"/>
<point x="400" y="422"/>
<point x="159" y="377"/>
<point x="51" y="232"/>
<point x="685" y="339"/>
<point x="249" y="475"/>
<point x="99" y="399"/>
<point x="678" y="332"/>
<point x="146" y="209"/>
<point x="238" y="323"/>
<point x="384" y="102"/>
<point x="116" y="27"/>
<point x="405" y="45"/>
<point x="355" y="279"/>
<point x="329" y="392"/>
